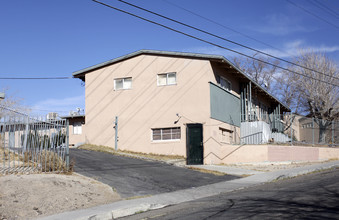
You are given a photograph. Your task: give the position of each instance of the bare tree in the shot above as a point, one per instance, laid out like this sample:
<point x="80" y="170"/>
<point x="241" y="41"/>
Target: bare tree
<point x="287" y="90"/>
<point x="312" y="92"/>
<point x="13" y="103"/>
<point x="262" y="73"/>
<point x="308" y="93"/>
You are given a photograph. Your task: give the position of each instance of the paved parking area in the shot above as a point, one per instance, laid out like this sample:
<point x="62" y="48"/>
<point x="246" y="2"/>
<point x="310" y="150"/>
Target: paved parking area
<point x="134" y="177"/>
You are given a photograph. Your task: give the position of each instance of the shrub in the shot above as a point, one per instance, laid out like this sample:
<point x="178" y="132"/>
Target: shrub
<point x="51" y="161"/>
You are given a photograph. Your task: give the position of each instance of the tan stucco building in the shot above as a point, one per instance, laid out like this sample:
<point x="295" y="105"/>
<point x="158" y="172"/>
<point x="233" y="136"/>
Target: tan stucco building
<point x="76" y="130"/>
<point x="172" y="103"/>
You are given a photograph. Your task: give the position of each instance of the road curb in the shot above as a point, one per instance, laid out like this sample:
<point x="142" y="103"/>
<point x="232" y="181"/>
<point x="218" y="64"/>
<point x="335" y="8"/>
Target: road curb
<point x="140" y="208"/>
<point x="130" y="207"/>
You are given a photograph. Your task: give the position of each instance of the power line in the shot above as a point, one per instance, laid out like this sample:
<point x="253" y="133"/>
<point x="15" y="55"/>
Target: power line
<point x="211" y="43"/>
<point x="223" y="26"/>
<point x="13" y="110"/>
<point x="330" y="1"/>
<point x="225" y="39"/>
<point x="324" y="8"/>
<point x="46" y="110"/>
<point x="311" y="13"/>
<point x="34" y="78"/>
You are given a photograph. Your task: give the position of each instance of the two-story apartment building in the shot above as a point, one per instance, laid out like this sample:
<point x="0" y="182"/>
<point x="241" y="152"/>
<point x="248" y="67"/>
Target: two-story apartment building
<point x="171" y="103"/>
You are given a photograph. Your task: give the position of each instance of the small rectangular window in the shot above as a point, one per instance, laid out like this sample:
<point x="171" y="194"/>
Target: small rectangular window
<point x="167" y="79"/>
<point x="226" y="136"/>
<point x="224" y="83"/>
<point x="77" y="128"/>
<point x="162" y="134"/>
<point x="123" y="83"/>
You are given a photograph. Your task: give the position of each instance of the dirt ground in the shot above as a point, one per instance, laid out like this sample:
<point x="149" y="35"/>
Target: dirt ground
<point x="36" y="195"/>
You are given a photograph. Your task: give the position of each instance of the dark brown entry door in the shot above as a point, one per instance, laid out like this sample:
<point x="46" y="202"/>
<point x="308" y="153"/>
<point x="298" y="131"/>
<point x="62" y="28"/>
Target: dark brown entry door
<point x="194" y="144"/>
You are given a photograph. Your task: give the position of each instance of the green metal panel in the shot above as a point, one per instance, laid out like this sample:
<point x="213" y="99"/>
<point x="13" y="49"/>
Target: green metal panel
<point x="225" y="106"/>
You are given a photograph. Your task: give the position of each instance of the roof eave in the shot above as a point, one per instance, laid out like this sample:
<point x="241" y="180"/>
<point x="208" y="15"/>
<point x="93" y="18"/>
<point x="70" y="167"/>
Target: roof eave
<point x="81" y="73"/>
<point x="72" y="116"/>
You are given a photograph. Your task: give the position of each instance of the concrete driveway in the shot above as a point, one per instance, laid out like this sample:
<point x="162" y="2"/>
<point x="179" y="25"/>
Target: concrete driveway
<point x="134" y="177"/>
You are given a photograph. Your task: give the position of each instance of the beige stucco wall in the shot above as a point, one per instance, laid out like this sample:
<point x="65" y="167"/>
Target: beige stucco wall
<point x="230" y="154"/>
<point x="76" y="139"/>
<point x="216" y="153"/>
<point x="326" y="153"/>
<point x="147" y="105"/>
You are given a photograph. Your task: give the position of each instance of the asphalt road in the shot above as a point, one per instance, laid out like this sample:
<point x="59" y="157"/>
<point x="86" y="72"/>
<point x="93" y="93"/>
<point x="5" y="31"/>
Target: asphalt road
<point x="313" y="196"/>
<point x="134" y="177"/>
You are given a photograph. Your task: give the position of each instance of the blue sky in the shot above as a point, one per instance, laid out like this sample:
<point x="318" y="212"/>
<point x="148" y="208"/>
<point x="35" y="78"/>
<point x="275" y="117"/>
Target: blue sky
<point x="42" y="38"/>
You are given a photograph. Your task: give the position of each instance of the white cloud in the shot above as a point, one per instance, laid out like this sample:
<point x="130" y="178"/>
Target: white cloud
<point x="294" y="44"/>
<point x="288" y="50"/>
<point x="61" y="106"/>
<point x="280" y="24"/>
<point x="325" y="49"/>
<point x="292" y="49"/>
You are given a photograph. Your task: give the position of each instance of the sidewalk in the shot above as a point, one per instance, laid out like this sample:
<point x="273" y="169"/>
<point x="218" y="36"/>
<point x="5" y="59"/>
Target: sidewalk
<point x="231" y="170"/>
<point x="248" y="169"/>
<point x="130" y="207"/>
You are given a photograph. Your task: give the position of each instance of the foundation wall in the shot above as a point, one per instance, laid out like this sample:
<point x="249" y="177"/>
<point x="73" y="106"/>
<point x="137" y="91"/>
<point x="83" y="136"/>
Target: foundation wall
<point x="229" y="154"/>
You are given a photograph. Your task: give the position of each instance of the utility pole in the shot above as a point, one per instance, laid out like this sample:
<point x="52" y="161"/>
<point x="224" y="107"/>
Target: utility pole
<point x="291" y="121"/>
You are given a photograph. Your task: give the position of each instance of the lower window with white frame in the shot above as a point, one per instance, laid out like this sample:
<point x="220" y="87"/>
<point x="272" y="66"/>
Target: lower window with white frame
<point x="165" y="134"/>
<point x="77" y="128"/>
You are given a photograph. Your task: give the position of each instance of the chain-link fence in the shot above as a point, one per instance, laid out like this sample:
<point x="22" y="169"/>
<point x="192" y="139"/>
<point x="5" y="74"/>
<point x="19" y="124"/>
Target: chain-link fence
<point x="313" y="131"/>
<point x="32" y="144"/>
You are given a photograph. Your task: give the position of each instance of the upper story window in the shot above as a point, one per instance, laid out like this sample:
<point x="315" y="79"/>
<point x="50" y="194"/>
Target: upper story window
<point x="123" y="83"/>
<point x="224" y="83"/>
<point x="167" y="79"/>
